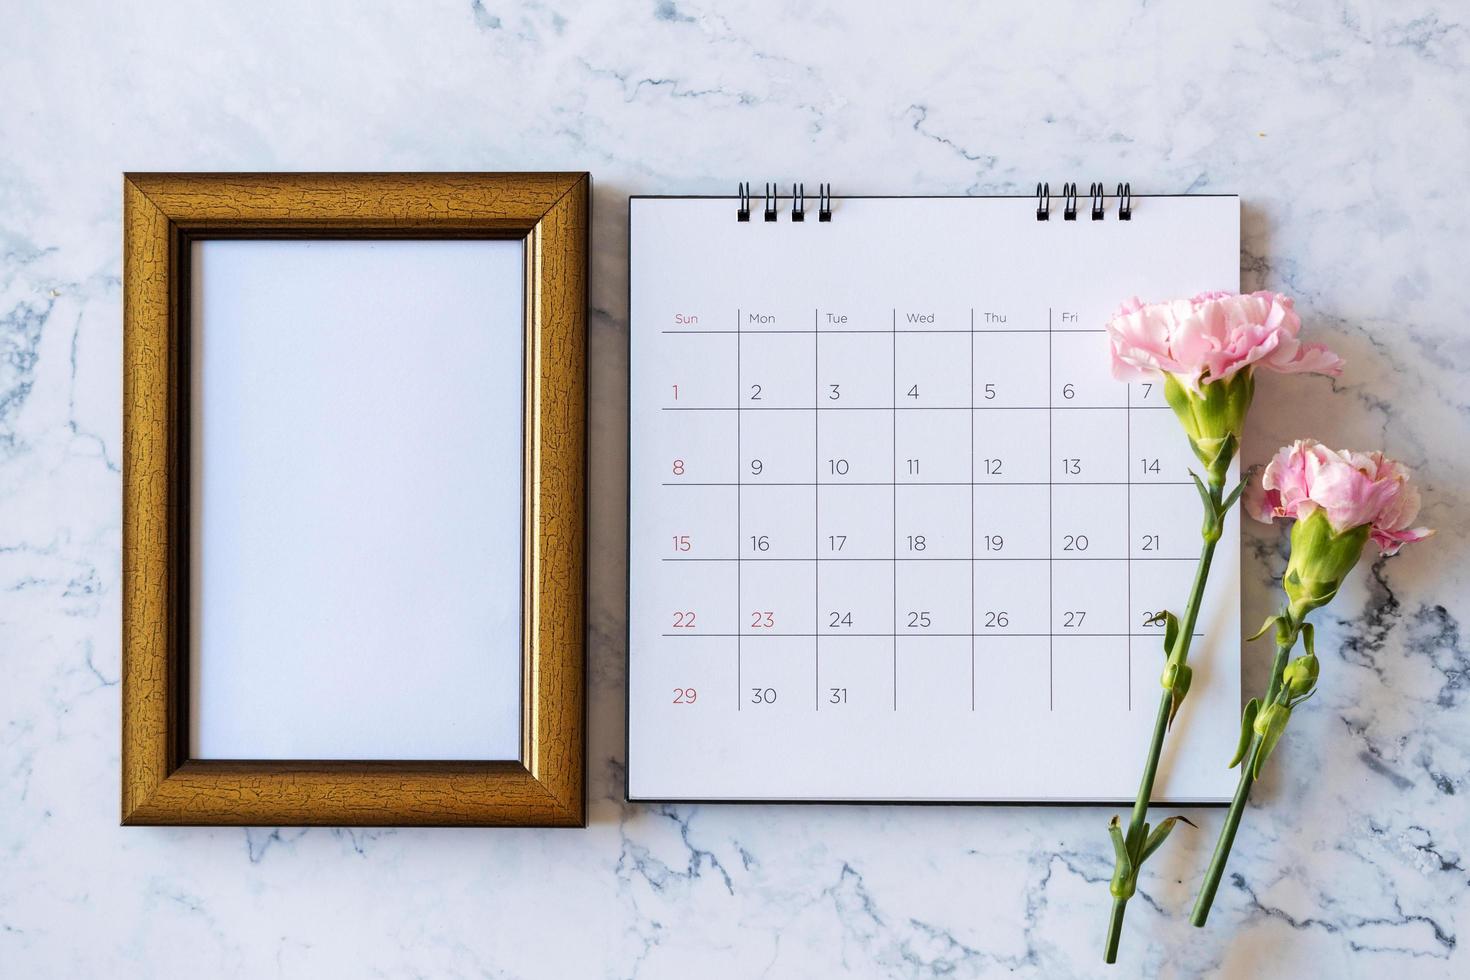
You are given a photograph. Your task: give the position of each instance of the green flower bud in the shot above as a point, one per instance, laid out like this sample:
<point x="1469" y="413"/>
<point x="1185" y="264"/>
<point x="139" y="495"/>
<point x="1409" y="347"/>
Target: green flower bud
<point x="1213" y="419"/>
<point x="1320" y="560"/>
<point x="1300" y="676"/>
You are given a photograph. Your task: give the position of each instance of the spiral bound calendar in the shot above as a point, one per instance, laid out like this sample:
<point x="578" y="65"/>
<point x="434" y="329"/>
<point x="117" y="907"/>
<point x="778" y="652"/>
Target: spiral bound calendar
<point x="895" y="532"/>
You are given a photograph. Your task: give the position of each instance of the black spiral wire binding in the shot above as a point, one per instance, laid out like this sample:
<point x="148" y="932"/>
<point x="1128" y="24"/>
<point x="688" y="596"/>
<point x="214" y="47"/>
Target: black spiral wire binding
<point x="1096" y="190"/>
<point x="772" y="197"/>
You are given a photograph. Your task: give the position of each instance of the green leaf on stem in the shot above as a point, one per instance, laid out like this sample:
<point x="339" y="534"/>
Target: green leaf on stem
<point x="1115" y="831"/>
<point x="1247" y="719"/>
<point x="1270" y="725"/>
<point x="1124" y="876"/>
<point x="1231" y="498"/>
<point x="1309" y="639"/>
<point x="1270" y="621"/>
<point x="1204" y="496"/>
<point x="1171" y="629"/>
<point x="1160" y="834"/>
<point x="1177" y="678"/>
<point x="1177" y="674"/>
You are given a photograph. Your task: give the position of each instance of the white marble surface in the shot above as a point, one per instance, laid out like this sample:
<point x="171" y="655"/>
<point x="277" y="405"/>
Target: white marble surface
<point x="1342" y="125"/>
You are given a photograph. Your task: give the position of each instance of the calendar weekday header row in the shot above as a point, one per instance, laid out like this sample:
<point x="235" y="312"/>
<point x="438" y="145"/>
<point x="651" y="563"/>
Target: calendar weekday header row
<point x="897" y="318"/>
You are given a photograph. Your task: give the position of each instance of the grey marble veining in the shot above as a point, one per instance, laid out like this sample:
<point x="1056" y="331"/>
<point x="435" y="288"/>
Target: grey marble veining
<point x="1342" y="125"/>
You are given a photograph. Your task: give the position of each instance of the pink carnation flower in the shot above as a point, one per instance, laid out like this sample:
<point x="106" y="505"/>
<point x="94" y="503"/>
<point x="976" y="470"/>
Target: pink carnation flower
<point x="1212" y="337"/>
<point x="1353" y="488"/>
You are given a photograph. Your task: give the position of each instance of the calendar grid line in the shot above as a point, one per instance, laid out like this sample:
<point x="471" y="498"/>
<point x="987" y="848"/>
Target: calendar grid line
<point x="897" y="558"/>
<point x="1050" y="530"/>
<point x="916" y="408"/>
<point x="879" y="333"/>
<point x="1128" y="523"/>
<point x="982" y="561"/>
<point x="972" y="509"/>
<point x="930" y="483"/>
<point x="769" y="635"/>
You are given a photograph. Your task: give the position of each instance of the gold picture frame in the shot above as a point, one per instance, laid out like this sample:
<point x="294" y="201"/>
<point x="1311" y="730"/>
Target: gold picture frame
<point x="162" y="214"/>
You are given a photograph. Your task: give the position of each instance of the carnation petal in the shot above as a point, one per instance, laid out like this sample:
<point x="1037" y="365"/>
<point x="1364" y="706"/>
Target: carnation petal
<point x="1389" y="542"/>
<point x="1309" y="359"/>
<point x="1259" y="502"/>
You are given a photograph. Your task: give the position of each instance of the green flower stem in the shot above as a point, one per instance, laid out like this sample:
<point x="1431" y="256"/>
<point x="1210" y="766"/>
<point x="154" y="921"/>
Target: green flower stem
<point x="1135" y="825"/>
<point x="1278" y="665"/>
<point x="1242" y="796"/>
<point x="1134" y="838"/>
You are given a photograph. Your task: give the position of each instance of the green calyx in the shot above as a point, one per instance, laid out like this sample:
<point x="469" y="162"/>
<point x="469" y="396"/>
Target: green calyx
<point x="1320" y="559"/>
<point x="1214" y="418"/>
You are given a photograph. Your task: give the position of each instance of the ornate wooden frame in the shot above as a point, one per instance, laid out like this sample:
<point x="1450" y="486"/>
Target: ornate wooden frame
<point x="162" y="213"/>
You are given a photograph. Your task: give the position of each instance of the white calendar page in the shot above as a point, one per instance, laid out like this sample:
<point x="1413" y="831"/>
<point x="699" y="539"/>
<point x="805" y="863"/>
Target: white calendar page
<point x="895" y="531"/>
